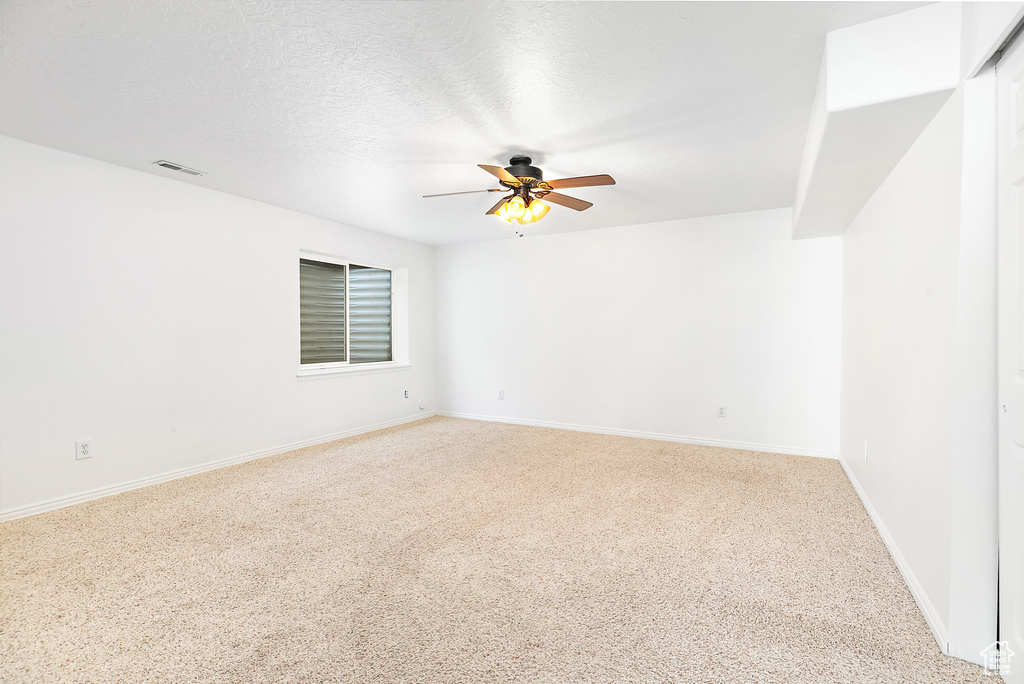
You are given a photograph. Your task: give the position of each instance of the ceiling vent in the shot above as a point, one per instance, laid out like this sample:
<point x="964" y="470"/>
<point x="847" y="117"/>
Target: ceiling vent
<point x="178" y="167"/>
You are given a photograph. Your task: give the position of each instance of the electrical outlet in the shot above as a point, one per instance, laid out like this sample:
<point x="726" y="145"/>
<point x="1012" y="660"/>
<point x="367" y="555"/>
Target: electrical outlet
<point x="501" y="394"/>
<point x="83" y="449"/>
<point x="721" y="412"/>
<point x="865" y="451"/>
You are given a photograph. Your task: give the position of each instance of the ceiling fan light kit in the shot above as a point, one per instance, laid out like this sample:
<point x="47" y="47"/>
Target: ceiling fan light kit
<point x="525" y="205"/>
<point x="516" y="209"/>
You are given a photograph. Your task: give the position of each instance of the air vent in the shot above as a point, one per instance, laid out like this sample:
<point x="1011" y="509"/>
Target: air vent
<point x="178" y="167"/>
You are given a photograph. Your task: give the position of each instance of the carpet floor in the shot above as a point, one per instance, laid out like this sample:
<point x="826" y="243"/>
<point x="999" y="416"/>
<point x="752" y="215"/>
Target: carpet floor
<point x="458" y="551"/>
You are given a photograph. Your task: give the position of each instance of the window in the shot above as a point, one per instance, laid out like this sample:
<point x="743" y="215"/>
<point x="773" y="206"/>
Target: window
<point x="344" y="314"/>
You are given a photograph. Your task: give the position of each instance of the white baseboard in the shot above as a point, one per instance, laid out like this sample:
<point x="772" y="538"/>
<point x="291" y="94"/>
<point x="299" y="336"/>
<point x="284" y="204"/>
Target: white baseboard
<point x="63" y="501"/>
<point x="748" y="446"/>
<point x="931" y="616"/>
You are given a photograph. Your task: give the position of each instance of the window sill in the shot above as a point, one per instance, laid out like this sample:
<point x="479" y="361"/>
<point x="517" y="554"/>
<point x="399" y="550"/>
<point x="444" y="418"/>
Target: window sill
<point x="314" y="373"/>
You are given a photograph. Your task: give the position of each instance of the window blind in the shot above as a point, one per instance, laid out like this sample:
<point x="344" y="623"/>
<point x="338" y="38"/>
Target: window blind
<point x="369" y="301"/>
<point x="321" y="312"/>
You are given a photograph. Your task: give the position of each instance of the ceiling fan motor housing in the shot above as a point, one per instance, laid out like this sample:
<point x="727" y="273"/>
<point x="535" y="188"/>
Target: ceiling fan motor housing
<point x="521" y="169"/>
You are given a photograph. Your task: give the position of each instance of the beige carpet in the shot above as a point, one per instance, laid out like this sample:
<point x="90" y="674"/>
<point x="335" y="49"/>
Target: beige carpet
<point x="458" y="551"/>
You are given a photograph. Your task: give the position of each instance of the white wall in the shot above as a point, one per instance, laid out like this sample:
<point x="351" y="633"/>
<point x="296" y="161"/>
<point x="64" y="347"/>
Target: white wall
<point x="160" y="320"/>
<point x="648" y="329"/>
<point x="918" y="368"/>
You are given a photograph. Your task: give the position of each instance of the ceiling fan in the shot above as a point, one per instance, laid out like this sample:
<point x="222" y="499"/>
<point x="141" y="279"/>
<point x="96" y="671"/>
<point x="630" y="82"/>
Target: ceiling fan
<point x="530" y="192"/>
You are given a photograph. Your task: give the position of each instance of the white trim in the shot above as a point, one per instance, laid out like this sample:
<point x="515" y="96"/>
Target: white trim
<point x="64" y="501"/>
<point x="310" y="255"/>
<point x="931" y="616"/>
<point x="320" y="370"/>
<point x="747" y="446"/>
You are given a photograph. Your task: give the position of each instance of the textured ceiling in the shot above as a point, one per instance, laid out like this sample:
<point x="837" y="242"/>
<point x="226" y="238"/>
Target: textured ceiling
<point x="353" y="110"/>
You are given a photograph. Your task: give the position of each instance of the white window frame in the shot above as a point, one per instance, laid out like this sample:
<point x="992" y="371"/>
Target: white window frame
<point x="333" y="367"/>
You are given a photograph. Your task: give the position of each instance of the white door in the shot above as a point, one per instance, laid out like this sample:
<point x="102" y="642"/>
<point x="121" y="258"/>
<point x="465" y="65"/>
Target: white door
<point x="1010" y="76"/>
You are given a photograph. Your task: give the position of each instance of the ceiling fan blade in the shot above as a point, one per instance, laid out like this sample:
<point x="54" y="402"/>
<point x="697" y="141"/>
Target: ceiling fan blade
<point x="498" y="205"/>
<point x="501" y="173"/>
<point x="566" y="201"/>
<point x="467" y="192"/>
<point x="580" y="181"/>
